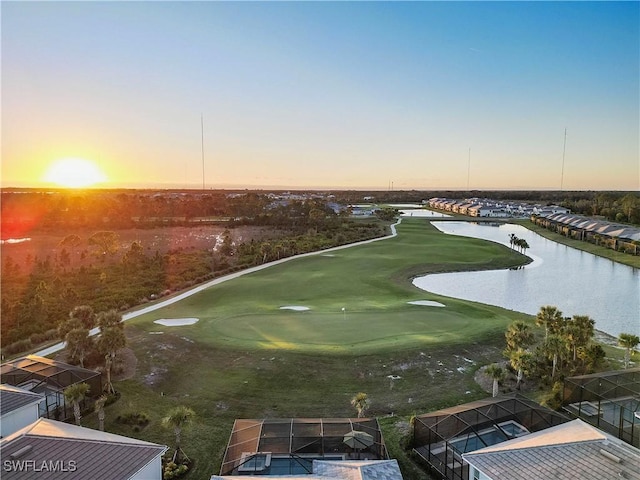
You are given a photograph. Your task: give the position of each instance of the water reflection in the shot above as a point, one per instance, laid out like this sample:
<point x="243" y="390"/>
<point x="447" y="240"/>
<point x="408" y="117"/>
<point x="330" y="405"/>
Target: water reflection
<point x="577" y="282"/>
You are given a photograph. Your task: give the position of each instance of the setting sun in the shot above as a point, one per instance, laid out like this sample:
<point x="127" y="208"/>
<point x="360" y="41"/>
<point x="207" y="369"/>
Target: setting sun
<point x="74" y="173"/>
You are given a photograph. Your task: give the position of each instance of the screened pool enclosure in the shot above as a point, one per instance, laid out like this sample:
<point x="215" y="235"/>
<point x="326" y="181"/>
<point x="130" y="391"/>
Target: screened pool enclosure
<point x="607" y="400"/>
<point x="440" y="438"/>
<point x="289" y="446"/>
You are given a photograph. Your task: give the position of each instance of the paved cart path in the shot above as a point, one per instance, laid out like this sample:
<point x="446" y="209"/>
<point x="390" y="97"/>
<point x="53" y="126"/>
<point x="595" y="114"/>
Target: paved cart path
<point x="136" y="313"/>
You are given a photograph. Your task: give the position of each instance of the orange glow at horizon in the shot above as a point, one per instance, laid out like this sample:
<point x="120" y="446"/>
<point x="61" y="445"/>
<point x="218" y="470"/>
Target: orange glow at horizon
<point x="74" y="173"/>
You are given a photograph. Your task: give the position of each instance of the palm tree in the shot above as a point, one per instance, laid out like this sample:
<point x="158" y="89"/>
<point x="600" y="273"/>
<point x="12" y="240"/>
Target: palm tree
<point x="178" y="418"/>
<point x="550" y="318"/>
<point x="79" y="343"/>
<point x="522" y="243"/>
<point x="75" y="394"/>
<point x="497" y="374"/>
<point x="85" y="314"/>
<point x="518" y="360"/>
<point x="518" y="336"/>
<point x="629" y="342"/>
<point x="110" y="341"/>
<point x="579" y="331"/>
<point x="361" y="403"/>
<point x="99" y="409"/>
<point x="554" y="347"/>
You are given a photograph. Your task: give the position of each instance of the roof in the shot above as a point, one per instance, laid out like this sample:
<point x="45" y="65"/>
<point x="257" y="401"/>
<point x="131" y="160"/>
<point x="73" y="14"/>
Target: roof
<point x="338" y="470"/>
<point x="572" y="450"/>
<point x="359" y="470"/>
<point x="45" y="370"/>
<point x="12" y="398"/>
<point x="77" y="451"/>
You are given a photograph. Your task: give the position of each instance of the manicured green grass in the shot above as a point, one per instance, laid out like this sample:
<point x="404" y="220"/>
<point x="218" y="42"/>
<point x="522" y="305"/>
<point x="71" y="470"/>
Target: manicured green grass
<point x="371" y="282"/>
<point x="246" y="358"/>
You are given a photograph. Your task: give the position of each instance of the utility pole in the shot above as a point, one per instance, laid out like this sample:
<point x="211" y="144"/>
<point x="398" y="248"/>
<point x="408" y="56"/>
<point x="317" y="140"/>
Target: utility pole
<point x="468" y="168"/>
<point x="564" y="149"/>
<point x="202" y="147"/>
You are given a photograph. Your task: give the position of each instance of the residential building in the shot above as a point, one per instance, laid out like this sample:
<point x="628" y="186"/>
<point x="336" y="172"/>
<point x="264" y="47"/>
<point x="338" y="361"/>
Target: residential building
<point x="52" y="449"/>
<point x="573" y="450"/>
<point x="18" y="408"/>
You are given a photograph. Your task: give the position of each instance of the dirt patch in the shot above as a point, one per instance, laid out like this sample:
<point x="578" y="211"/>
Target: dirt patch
<point x="127" y="362"/>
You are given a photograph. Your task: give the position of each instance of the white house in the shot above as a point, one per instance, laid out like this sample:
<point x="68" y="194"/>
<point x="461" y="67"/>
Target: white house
<point x="52" y="449"/>
<point x="572" y="450"/>
<point x="18" y="408"/>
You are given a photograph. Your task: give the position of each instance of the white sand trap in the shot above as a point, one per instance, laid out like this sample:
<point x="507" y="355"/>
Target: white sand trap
<point x="427" y="303"/>
<point x="297" y="308"/>
<point x="176" y="322"/>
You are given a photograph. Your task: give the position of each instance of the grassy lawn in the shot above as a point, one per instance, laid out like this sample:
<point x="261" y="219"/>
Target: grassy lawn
<point x="246" y="358"/>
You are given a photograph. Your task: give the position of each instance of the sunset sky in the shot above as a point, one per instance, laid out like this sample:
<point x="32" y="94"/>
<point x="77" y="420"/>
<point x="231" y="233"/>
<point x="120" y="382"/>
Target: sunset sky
<point x="352" y="95"/>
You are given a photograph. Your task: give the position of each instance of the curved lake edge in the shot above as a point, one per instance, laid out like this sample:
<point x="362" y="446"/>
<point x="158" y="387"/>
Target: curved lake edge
<point x="565" y="273"/>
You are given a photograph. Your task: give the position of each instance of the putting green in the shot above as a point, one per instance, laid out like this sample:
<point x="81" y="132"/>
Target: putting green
<point x="371" y="282"/>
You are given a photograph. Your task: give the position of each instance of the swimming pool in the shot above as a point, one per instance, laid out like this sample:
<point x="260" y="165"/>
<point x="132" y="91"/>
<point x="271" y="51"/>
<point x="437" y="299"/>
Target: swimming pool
<point x="490" y="436"/>
<point x="267" y="464"/>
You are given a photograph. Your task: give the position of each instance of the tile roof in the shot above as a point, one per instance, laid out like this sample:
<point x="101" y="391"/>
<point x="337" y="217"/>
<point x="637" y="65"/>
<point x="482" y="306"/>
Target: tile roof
<point x="47" y="445"/>
<point x="12" y="398"/>
<point x="570" y="451"/>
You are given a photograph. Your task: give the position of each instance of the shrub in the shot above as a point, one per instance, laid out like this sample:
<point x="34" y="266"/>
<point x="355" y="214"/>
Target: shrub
<point x="137" y="420"/>
<point x="17" y="347"/>
<point x="173" y="470"/>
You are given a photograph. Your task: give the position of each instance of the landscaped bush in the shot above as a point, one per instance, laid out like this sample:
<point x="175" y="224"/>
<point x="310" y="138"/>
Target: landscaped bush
<point x="137" y="420"/>
<point x="173" y="470"/>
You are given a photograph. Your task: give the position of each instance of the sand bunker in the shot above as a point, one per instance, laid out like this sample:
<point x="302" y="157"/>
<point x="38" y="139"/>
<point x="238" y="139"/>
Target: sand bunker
<point x="427" y="303"/>
<point x="297" y="308"/>
<point x="176" y="322"/>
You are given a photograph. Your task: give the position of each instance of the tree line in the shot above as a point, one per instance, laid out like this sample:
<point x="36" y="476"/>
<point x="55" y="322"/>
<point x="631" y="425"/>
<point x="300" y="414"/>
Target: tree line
<point x="564" y="346"/>
<point x="98" y="271"/>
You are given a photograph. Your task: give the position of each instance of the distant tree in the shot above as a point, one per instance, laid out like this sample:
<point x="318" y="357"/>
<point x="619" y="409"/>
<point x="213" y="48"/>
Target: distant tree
<point x="71" y="241"/>
<point x="178" y="418"/>
<point x="496" y="373"/>
<point x="361" y="402"/>
<point x="523" y="245"/>
<point x="75" y="394"/>
<point x="629" y="342"/>
<point x="106" y="242"/>
<point x="227" y="243"/>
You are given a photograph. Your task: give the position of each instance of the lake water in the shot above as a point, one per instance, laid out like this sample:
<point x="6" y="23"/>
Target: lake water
<point x="576" y="282"/>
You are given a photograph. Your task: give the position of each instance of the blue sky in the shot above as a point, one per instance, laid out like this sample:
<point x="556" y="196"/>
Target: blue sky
<point x="325" y="94"/>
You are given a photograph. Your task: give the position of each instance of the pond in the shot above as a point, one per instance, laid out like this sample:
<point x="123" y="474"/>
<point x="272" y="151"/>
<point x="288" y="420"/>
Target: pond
<point x="576" y="282"/>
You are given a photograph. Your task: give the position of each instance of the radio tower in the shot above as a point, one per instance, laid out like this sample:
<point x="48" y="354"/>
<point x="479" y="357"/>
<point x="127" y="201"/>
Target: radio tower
<point x="202" y="147"/>
<point x="564" y="149"/>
